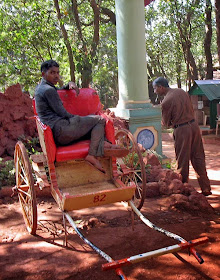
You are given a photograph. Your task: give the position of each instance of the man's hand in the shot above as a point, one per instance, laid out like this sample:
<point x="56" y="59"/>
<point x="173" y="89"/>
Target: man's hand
<point x="72" y="85"/>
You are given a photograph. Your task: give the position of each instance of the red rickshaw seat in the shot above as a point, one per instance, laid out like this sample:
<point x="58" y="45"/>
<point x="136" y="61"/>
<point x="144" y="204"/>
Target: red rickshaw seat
<point x="86" y="103"/>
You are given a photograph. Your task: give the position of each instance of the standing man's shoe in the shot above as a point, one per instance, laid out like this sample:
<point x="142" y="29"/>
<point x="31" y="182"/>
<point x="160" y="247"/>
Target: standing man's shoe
<point x="206" y="193"/>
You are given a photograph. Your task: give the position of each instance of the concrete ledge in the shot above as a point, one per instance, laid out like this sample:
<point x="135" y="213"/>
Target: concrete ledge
<point x="207" y="131"/>
<point x="211" y="139"/>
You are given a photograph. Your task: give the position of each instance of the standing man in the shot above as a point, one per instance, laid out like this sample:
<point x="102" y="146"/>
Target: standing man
<point x="66" y="127"/>
<point x="177" y="112"/>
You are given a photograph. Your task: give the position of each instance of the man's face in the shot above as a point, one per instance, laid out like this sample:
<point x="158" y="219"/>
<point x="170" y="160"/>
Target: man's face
<point x="52" y="75"/>
<point x="159" y="90"/>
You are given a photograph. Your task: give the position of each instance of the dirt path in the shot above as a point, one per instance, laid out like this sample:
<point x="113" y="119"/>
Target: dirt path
<point x="44" y="256"/>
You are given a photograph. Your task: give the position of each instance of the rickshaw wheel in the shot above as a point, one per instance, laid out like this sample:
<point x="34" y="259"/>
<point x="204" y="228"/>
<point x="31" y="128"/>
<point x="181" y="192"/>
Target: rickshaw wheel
<point x="25" y="187"/>
<point x="131" y="167"/>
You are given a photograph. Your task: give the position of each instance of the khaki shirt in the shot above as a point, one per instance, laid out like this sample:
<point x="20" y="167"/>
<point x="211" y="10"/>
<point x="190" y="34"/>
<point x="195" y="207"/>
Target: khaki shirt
<point x="176" y="108"/>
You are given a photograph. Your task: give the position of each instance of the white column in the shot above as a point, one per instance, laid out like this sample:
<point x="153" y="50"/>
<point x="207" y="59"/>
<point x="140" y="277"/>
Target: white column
<point x="132" y="67"/>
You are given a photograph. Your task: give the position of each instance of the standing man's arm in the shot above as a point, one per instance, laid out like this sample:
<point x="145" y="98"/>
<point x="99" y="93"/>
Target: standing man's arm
<point x="166" y="114"/>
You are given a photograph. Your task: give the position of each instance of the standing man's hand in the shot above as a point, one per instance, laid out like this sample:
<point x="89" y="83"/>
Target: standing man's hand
<point x="72" y="85"/>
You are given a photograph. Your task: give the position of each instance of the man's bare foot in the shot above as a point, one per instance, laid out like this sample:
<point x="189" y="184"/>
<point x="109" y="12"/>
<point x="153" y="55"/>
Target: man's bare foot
<point x="94" y="162"/>
<point x="108" y="145"/>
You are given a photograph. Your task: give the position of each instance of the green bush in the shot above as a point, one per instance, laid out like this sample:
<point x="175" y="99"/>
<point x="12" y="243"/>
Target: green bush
<point x="31" y="144"/>
<point x="7" y="168"/>
<point x="7" y="173"/>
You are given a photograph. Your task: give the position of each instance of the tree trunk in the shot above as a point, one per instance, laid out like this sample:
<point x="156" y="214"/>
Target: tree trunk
<point x="86" y="73"/>
<point x="188" y="77"/>
<point x="192" y="64"/>
<point x="66" y="40"/>
<point x="178" y="67"/>
<point x="178" y="71"/>
<point x="89" y="52"/>
<point x="208" y="40"/>
<point x="190" y="61"/>
<point x="96" y="12"/>
<point x="184" y="28"/>
<point x="78" y="24"/>
<point x="217" y="9"/>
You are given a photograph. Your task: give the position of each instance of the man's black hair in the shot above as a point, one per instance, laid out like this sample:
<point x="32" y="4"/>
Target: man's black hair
<point x="46" y="65"/>
<point x="161" y="81"/>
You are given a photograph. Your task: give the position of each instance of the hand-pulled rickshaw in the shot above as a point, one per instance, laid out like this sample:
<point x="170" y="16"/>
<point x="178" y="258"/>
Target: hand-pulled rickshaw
<point x="75" y="184"/>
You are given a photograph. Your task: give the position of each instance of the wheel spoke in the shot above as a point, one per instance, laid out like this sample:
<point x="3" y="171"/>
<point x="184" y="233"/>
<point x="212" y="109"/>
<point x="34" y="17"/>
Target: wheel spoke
<point x="26" y="193"/>
<point x="25" y="185"/>
<point x="131" y="167"/>
<point x="23" y="172"/>
<point x="26" y="207"/>
<point x="137" y="174"/>
<point x="23" y="179"/>
<point x="139" y="191"/>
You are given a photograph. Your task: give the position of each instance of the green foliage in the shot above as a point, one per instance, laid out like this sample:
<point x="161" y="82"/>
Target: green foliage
<point x="31" y="144"/>
<point x="7" y="173"/>
<point x="170" y="24"/>
<point x="168" y="165"/>
<point x="26" y="40"/>
<point x="154" y="153"/>
<point x="167" y="130"/>
<point x="105" y="73"/>
<point x="132" y="159"/>
<point x="30" y="33"/>
<point x="7" y="168"/>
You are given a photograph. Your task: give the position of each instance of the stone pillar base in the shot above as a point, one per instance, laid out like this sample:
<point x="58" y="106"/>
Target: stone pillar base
<point x="145" y="125"/>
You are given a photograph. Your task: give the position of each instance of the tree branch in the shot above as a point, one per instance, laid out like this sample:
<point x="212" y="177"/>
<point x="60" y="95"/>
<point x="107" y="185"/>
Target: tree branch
<point x="96" y="12"/>
<point x="110" y="14"/>
<point x="66" y="40"/>
<point x="78" y="23"/>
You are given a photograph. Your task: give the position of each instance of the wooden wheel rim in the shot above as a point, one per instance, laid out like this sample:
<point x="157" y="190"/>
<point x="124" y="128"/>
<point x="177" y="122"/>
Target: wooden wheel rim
<point x="25" y="187"/>
<point x="134" y="164"/>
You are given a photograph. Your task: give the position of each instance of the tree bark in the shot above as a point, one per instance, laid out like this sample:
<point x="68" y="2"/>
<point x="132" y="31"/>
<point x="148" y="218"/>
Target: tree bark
<point x="178" y="71"/>
<point x="66" y="40"/>
<point x="96" y="12"/>
<point x="217" y="12"/>
<point x="110" y="14"/>
<point x="78" y="24"/>
<point x="88" y="53"/>
<point x="186" y="45"/>
<point x="208" y="40"/>
<point x="185" y="37"/>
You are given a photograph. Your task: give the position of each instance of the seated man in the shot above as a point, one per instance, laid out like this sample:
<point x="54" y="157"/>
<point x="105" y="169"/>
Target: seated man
<point x="66" y="127"/>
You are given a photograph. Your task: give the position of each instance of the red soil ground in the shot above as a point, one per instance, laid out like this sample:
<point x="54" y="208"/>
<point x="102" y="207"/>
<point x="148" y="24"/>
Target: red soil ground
<point x="44" y="256"/>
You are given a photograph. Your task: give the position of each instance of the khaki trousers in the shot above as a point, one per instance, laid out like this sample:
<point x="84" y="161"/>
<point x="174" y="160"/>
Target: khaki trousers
<point x="189" y="147"/>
